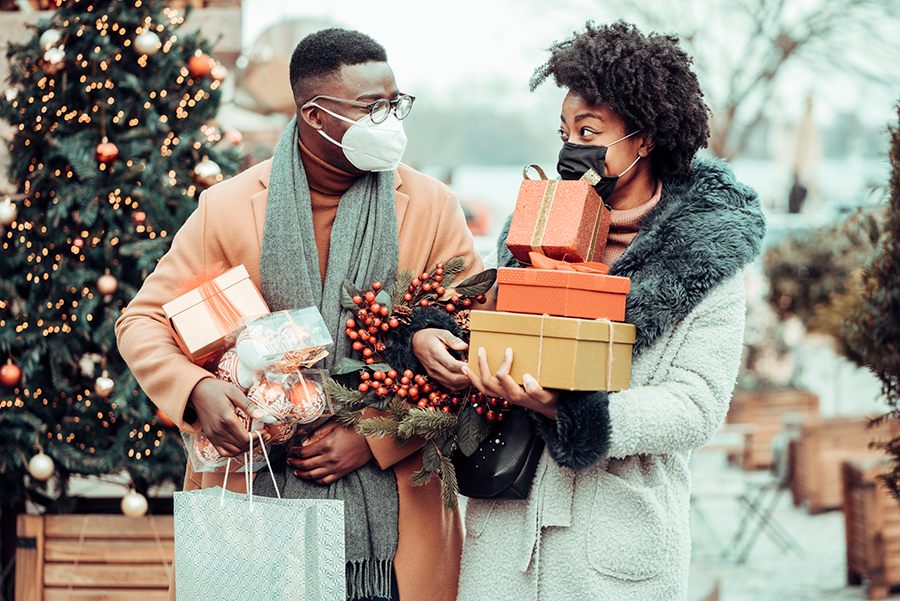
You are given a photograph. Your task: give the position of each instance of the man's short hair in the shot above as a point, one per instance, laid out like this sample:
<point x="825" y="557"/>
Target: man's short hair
<point x="321" y="54"/>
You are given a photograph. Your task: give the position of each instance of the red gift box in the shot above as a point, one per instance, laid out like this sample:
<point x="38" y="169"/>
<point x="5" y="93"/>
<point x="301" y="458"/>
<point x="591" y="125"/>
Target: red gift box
<point x="562" y="219"/>
<point x="565" y="290"/>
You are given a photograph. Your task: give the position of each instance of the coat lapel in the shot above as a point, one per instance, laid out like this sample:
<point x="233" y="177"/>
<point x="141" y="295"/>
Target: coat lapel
<point x="401" y="200"/>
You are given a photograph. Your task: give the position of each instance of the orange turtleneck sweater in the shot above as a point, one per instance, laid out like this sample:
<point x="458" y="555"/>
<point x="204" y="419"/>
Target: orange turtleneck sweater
<point x="326" y="186"/>
<point x="624" y="226"/>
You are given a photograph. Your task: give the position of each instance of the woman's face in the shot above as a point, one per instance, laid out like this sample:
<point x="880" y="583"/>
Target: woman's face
<point x="596" y="125"/>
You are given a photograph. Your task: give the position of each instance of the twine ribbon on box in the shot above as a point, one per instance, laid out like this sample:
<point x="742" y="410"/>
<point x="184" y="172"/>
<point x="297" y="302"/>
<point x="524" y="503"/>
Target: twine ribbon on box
<point x="609" y="354"/>
<point x="540" y="227"/>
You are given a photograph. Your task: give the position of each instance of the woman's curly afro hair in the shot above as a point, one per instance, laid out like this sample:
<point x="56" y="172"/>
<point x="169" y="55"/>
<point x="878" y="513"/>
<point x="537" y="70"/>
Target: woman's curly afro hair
<point x="646" y="80"/>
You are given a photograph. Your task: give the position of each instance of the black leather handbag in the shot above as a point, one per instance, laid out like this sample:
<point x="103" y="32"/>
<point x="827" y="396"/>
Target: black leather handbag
<point x="505" y="462"/>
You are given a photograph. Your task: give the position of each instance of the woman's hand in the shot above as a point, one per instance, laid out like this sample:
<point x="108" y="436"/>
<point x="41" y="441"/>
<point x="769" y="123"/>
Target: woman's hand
<point x="530" y="395"/>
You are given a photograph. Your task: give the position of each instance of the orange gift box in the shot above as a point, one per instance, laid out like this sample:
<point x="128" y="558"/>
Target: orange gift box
<point x="562" y="219"/>
<point x="562" y="293"/>
<point x="203" y="317"/>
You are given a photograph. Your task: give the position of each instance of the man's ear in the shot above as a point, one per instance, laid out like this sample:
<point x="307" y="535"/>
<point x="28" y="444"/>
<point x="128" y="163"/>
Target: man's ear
<point x="311" y="115"/>
<point x="646" y="145"/>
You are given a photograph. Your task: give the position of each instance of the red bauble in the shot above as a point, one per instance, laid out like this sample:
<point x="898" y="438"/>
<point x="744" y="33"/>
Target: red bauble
<point x="10" y="374"/>
<point x="200" y="65"/>
<point x="107" y="152"/>
<point x="140" y="216"/>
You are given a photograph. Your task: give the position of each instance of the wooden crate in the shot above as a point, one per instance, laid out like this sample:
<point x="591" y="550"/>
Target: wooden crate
<point x="872" y="522"/>
<point x="764" y="411"/>
<point x="819" y="451"/>
<point x="100" y="557"/>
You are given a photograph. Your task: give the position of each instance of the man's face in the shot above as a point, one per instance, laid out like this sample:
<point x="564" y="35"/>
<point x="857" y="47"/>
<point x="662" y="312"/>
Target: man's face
<point x="365" y="82"/>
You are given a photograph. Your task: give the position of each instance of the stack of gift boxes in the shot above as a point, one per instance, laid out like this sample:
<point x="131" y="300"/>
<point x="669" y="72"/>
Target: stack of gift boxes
<point x="224" y="325"/>
<point x="562" y="314"/>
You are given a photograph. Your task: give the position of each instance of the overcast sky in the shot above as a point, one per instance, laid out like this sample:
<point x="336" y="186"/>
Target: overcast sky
<point x="441" y="47"/>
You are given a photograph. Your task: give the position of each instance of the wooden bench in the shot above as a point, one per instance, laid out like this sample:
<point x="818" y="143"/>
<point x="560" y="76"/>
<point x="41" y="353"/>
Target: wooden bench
<point x="872" y="522"/>
<point x="99" y="557"/>
<point x="765" y="410"/>
<point x="819" y="451"/>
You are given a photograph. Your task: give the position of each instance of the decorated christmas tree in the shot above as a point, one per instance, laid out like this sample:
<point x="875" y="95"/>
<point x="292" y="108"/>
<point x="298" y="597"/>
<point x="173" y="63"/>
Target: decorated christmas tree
<point x="112" y="108"/>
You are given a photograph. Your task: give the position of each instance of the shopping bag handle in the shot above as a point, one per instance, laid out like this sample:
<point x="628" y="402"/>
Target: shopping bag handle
<point x="248" y="463"/>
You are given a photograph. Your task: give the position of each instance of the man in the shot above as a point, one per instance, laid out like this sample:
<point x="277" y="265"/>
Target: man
<point x="333" y="203"/>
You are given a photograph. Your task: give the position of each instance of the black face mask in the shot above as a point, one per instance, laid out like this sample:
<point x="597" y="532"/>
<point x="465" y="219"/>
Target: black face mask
<point x="575" y="160"/>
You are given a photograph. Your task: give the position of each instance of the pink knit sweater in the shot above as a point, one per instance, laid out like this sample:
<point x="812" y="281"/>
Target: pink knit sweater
<point x="624" y="226"/>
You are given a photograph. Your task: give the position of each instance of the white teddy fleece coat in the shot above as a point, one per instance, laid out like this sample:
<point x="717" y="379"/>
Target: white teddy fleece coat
<point x="607" y="515"/>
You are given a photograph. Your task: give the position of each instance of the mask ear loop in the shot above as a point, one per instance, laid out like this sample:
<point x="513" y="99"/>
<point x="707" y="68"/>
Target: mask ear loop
<point x="336" y="116"/>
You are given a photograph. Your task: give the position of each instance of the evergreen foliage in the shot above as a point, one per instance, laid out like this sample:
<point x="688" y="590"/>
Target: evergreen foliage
<point x="872" y="329"/>
<point x="79" y="218"/>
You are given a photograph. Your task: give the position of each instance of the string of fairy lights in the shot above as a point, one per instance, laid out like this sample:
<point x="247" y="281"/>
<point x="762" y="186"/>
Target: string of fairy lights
<point x="44" y="112"/>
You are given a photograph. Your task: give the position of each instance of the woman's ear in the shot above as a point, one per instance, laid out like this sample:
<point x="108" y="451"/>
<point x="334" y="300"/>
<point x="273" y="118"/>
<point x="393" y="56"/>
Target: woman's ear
<point x="646" y="145"/>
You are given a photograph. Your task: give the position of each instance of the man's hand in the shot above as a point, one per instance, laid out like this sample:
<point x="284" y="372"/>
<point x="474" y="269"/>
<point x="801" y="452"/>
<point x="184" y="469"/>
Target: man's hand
<point x="332" y="452"/>
<point x="501" y="385"/>
<point x="430" y="347"/>
<point x="214" y="401"/>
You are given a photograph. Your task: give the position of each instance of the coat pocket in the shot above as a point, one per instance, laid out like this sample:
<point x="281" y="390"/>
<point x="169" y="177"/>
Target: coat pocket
<point x="629" y="532"/>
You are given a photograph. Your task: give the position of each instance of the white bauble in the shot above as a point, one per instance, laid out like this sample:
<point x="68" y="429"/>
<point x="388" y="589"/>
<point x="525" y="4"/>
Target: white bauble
<point x="50" y="38"/>
<point x="11" y="94"/>
<point x="208" y="172"/>
<point x="104" y="385"/>
<point x="8" y="212"/>
<point x="41" y="467"/>
<point x="147" y="43"/>
<point x="134" y="505"/>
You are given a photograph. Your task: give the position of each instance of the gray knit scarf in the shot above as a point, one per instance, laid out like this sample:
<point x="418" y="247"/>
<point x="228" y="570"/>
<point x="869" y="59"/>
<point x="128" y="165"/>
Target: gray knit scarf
<point x="364" y="248"/>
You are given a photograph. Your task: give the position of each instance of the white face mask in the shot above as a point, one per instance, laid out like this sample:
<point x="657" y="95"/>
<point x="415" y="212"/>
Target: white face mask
<point x="371" y="146"/>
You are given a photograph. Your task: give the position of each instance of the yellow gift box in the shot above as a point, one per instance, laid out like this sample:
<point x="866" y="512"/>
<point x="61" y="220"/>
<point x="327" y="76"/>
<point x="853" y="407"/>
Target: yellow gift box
<point x="202" y="318"/>
<point x="561" y="352"/>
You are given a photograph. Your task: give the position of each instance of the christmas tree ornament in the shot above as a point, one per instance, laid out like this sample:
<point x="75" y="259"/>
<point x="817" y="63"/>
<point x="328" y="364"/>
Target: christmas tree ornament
<point x="107" y="283"/>
<point x="207" y="172"/>
<point x="8" y="212"/>
<point x="140" y="216"/>
<point x="147" y="43"/>
<point x="219" y="73"/>
<point x="104" y="385"/>
<point x="78" y="243"/>
<point x="200" y="65"/>
<point x="41" y="466"/>
<point x="54" y="60"/>
<point x="164" y="419"/>
<point x="10" y="374"/>
<point x="50" y="38"/>
<point x="233" y="137"/>
<point x="134" y="505"/>
<point x="11" y="94"/>
<point x="106" y="151"/>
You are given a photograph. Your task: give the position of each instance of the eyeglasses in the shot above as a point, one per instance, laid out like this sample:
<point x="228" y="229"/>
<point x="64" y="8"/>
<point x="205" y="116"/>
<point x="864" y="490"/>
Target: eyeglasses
<point x="380" y="109"/>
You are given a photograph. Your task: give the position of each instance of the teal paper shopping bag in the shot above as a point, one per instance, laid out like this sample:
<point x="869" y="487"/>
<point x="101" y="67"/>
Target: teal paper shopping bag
<point x="234" y="547"/>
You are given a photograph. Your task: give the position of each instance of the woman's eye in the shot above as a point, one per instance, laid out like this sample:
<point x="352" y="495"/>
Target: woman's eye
<point x="586" y="131"/>
<point x="563" y="135"/>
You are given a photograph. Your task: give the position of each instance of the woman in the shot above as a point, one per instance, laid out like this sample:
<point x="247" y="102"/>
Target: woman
<point x="607" y="515"/>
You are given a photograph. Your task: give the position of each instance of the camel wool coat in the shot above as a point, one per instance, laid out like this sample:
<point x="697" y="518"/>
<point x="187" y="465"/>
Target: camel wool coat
<point x="227" y="227"/>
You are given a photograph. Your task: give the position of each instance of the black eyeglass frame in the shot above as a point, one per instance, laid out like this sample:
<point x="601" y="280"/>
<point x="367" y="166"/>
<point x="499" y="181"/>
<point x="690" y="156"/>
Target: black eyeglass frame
<point x="371" y="106"/>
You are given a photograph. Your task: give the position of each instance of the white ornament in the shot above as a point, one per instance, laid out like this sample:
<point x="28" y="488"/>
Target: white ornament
<point x="207" y="172"/>
<point x="107" y="284"/>
<point x="219" y="73"/>
<point x="8" y="212"/>
<point x="134" y="505"/>
<point x="54" y="60"/>
<point x="11" y="94"/>
<point x="50" y="38"/>
<point x="104" y="385"/>
<point x="147" y="43"/>
<point x="41" y="467"/>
